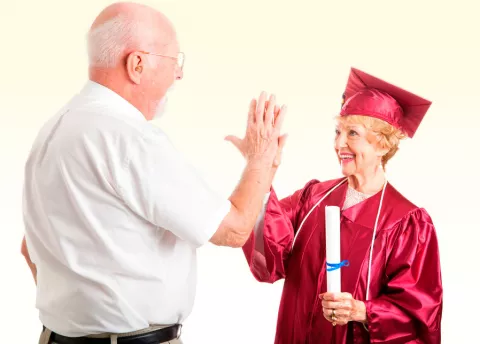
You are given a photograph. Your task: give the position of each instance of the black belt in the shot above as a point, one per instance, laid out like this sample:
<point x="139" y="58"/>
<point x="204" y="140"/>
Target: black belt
<point x="158" y="336"/>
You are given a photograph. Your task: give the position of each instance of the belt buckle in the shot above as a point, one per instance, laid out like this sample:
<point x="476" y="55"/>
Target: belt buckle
<point x="179" y="332"/>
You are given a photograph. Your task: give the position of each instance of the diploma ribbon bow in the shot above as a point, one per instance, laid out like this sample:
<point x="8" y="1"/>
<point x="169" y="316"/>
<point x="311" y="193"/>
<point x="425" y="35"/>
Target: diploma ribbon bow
<point x="336" y="266"/>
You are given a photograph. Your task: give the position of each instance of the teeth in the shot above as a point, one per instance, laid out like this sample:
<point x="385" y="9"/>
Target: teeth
<point x="346" y="156"/>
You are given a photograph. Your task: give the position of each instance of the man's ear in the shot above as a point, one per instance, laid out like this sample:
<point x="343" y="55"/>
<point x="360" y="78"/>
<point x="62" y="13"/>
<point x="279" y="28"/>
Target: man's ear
<point x="135" y="66"/>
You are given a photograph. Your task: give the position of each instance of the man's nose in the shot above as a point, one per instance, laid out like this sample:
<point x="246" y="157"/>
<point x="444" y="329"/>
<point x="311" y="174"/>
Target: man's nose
<point x="179" y="74"/>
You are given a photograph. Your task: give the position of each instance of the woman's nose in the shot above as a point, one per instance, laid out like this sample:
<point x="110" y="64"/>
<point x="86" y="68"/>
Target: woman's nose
<point x="340" y="141"/>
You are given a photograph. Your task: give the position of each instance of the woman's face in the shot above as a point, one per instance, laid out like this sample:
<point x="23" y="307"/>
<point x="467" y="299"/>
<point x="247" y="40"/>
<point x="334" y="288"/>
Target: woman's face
<point x="357" y="149"/>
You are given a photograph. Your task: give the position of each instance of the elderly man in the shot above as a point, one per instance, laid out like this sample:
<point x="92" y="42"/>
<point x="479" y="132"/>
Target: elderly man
<point x="113" y="215"/>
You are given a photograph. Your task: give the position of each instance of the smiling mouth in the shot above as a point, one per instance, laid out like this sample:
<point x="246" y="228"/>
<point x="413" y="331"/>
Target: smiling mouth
<point x="346" y="157"/>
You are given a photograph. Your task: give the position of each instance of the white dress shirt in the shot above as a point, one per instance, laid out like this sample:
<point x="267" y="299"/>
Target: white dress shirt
<point x="113" y="216"/>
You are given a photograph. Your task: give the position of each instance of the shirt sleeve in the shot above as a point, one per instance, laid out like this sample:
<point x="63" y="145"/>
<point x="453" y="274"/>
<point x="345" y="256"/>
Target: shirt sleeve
<point x="269" y="246"/>
<point x="162" y="187"/>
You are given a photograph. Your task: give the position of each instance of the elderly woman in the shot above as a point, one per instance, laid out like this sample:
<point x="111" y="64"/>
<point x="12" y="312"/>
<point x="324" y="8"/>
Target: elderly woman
<point x="391" y="289"/>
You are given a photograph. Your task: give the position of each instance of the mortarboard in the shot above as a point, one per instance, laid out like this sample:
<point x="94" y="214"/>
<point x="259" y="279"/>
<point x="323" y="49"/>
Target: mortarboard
<point x="370" y="96"/>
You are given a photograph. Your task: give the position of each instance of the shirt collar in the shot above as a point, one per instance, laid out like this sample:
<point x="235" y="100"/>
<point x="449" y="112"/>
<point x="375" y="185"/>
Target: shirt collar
<point x="104" y="95"/>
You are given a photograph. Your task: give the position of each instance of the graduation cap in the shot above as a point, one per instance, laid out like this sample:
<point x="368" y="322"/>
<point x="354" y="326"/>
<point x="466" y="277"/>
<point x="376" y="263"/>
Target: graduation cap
<point x="369" y="96"/>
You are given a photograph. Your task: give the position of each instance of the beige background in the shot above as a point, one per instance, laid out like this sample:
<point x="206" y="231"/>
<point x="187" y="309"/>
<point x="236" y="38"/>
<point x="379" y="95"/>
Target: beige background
<point x="235" y="49"/>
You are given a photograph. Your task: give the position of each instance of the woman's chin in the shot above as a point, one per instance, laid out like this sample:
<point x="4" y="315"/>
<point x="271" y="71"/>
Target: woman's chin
<point x="347" y="172"/>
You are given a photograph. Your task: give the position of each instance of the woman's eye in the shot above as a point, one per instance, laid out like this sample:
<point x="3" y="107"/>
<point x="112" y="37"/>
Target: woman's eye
<point x="337" y="132"/>
<point x="352" y="133"/>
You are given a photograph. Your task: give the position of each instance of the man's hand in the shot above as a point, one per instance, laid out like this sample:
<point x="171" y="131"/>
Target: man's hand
<point x="261" y="147"/>
<point x="25" y="253"/>
<point x="262" y="142"/>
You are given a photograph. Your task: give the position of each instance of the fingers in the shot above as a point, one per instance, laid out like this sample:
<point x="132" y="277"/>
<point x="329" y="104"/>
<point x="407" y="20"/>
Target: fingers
<point x="281" y="143"/>
<point x="340" y="314"/>
<point x="260" y="110"/>
<point x="337" y="301"/>
<point x="237" y="142"/>
<point x="251" y="111"/>
<point x="338" y="305"/>
<point x="336" y="296"/>
<point x="282" y="140"/>
<point x="336" y="317"/>
<point x="280" y="118"/>
<point x="328" y="296"/>
<point x="269" y="114"/>
<point x="276" y="112"/>
<point x="333" y="304"/>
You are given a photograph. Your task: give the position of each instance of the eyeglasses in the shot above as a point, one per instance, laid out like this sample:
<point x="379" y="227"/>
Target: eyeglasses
<point x="180" y="58"/>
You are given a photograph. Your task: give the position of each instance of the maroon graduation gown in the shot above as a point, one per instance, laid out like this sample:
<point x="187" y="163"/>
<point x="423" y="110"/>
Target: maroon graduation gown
<point x="406" y="292"/>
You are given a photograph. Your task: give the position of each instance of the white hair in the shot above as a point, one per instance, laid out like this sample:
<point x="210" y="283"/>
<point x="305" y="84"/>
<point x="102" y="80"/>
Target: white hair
<point x="107" y="43"/>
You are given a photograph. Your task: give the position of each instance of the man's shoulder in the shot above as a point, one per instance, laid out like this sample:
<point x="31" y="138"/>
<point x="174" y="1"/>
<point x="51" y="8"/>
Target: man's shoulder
<point x="82" y="123"/>
<point x="92" y="115"/>
<point x="105" y="128"/>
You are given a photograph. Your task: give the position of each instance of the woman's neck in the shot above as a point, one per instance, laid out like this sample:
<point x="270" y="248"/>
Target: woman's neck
<point x="368" y="183"/>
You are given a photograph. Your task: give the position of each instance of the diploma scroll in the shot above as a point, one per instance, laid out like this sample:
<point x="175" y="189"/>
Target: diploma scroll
<point x="332" y="225"/>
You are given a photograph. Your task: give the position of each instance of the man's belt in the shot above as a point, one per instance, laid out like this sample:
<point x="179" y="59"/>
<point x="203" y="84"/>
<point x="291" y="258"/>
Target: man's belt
<point x="157" y="336"/>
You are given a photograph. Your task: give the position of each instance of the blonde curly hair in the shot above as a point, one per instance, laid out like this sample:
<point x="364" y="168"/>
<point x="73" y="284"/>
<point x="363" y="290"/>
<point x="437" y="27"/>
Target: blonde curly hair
<point x="388" y="137"/>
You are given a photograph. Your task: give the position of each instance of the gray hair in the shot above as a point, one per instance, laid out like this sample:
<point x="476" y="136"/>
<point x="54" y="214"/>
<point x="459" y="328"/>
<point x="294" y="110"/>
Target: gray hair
<point x="108" y="42"/>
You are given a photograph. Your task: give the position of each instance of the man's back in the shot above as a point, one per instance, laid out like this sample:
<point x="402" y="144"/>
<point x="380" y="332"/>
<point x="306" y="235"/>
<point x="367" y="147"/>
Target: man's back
<point x="113" y="216"/>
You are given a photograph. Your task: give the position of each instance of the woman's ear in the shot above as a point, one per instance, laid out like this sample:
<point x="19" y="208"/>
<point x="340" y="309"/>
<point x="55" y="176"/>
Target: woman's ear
<point x="382" y="151"/>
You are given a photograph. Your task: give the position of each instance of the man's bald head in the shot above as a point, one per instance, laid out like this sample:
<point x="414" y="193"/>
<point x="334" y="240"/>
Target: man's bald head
<point x="123" y="27"/>
<point x="133" y="50"/>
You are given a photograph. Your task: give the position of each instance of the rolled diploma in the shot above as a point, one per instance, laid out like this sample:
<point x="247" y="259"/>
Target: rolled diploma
<point x="332" y="219"/>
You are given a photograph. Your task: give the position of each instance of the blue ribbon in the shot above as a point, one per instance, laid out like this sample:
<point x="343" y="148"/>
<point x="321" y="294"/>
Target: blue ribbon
<point x="332" y="266"/>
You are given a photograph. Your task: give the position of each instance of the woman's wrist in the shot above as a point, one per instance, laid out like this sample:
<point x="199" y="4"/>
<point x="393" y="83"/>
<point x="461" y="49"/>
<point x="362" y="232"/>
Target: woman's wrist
<point x="360" y="312"/>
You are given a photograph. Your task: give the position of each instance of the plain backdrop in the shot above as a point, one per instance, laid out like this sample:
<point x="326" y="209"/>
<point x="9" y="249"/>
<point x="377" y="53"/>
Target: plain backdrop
<point x="302" y="51"/>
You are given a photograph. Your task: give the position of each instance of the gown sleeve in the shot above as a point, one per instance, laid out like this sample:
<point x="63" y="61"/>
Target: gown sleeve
<point x="270" y="243"/>
<point x="409" y="309"/>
